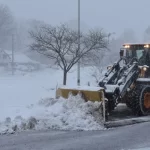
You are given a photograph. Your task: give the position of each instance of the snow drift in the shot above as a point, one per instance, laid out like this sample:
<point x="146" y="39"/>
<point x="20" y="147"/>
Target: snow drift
<point x="60" y="114"/>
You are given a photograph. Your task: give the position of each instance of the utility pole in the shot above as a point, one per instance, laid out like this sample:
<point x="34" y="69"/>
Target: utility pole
<point x="78" y="69"/>
<point x="12" y="63"/>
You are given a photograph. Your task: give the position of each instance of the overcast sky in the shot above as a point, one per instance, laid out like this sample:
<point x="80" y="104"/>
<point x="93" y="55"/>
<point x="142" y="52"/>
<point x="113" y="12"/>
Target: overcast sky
<point x="113" y="15"/>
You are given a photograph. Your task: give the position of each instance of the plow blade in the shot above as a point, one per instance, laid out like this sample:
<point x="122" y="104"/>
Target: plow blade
<point x="88" y="93"/>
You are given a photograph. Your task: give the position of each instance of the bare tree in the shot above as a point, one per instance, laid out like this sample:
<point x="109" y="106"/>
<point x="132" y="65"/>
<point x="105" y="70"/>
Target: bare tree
<point x="61" y="44"/>
<point x="6" y="23"/>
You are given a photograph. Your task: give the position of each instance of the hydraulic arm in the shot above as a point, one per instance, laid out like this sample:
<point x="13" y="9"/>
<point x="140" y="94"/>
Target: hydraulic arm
<point x="119" y="78"/>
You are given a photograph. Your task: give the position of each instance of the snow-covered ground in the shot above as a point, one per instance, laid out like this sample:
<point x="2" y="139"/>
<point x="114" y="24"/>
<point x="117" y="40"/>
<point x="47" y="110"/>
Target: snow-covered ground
<point x="27" y="100"/>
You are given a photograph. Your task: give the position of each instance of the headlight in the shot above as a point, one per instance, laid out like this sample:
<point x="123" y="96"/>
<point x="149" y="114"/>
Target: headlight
<point x="127" y="46"/>
<point x="146" y="46"/>
<point x="144" y="68"/>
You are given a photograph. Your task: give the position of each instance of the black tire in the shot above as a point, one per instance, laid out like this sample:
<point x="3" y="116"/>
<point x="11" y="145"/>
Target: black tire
<point x="128" y="99"/>
<point x="135" y="101"/>
<point x="128" y="104"/>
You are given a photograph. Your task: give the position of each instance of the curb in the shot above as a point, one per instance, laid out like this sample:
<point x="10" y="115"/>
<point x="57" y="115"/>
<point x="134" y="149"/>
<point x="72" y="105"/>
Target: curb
<point x="125" y="122"/>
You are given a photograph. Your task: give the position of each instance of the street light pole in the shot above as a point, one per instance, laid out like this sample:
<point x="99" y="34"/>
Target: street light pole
<point x="12" y="63"/>
<point x="78" y="70"/>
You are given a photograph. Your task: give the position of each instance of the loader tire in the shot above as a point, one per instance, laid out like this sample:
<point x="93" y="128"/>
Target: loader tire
<point x="129" y="98"/>
<point x="128" y="104"/>
<point x="137" y="100"/>
<point x="145" y="100"/>
<point x="134" y="100"/>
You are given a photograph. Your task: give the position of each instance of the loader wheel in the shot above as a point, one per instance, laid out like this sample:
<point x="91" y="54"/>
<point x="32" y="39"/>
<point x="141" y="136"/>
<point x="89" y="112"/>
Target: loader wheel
<point x="128" y="99"/>
<point x="140" y="100"/>
<point x="134" y="100"/>
<point x="128" y="104"/>
<point x="145" y="100"/>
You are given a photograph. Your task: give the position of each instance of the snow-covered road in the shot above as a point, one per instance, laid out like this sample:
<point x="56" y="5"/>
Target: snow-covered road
<point x="134" y="137"/>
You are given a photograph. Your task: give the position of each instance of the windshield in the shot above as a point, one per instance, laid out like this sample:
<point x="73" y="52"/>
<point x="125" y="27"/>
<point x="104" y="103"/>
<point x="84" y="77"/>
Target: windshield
<point x="135" y="53"/>
<point x="139" y="53"/>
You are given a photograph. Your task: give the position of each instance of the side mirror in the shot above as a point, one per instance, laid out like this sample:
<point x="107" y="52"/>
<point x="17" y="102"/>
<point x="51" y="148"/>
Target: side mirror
<point x="121" y="53"/>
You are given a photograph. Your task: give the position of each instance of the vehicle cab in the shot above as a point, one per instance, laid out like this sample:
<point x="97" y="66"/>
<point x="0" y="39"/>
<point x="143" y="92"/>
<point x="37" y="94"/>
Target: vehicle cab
<point x="141" y="52"/>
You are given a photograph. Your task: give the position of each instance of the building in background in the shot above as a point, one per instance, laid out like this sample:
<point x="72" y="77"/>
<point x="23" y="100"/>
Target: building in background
<point x="5" y="58"/>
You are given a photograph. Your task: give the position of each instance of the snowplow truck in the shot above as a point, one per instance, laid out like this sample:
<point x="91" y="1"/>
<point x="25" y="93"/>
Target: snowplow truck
<point x="126" y="81"/>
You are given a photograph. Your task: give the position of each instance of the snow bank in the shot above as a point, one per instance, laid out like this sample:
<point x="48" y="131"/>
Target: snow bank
<point x="61" y="114"/>
<point x="20" y="108"/>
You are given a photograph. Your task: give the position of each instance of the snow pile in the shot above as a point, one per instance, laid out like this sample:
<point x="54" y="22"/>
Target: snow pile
<point x="71" y="114"/>
<point x="61" y="114"/>
<point x="18" y="124"/>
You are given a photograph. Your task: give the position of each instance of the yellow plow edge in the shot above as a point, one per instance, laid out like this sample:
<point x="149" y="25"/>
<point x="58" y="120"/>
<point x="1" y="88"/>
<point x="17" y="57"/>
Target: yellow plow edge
<point x="87" y="93"/>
